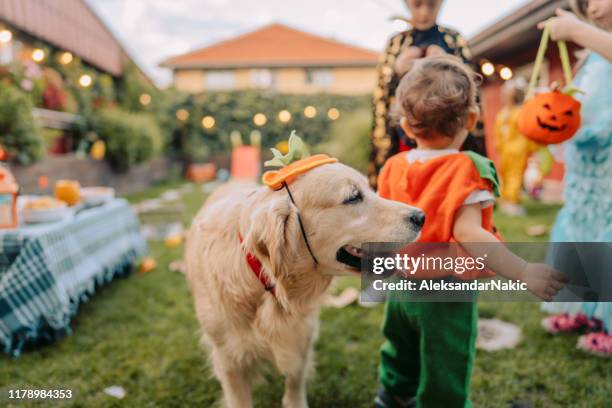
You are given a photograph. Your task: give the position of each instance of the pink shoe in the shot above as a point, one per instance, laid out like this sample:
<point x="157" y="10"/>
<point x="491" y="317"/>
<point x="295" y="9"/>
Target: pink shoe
<point x="599" y="344"/>
<point x="566" y="323"/>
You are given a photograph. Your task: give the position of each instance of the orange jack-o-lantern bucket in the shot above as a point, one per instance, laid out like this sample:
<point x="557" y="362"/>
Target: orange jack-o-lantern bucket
<point x="550" y="117"/>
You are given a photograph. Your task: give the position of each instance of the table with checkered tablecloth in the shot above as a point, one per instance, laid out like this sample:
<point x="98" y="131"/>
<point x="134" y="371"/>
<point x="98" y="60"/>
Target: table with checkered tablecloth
<point x="46" y="270"/>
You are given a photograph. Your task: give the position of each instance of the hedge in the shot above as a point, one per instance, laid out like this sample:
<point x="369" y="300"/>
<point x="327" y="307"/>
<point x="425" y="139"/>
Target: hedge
<point x="234" y="111"/>
<point x="131" y="138"/>
<point x="19" y="135"/>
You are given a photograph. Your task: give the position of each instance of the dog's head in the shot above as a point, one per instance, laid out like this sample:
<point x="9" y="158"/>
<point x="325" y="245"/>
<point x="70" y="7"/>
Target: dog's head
<point x="339" y="212"/>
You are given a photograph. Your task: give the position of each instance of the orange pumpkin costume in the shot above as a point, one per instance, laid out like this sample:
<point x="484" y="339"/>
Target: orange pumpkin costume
<point x="430" y="346"/>
<point x="440" y="186"/>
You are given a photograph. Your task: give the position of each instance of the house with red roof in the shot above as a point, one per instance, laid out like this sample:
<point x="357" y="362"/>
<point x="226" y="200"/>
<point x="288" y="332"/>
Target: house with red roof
<point x="277" y="58"/>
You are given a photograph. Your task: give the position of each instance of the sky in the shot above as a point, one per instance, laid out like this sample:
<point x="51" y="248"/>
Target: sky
<point x="153" y="30"/>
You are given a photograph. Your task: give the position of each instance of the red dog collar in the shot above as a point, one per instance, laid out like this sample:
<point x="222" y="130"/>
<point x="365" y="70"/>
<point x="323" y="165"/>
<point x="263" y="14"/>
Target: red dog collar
<point x="256" y="268"/>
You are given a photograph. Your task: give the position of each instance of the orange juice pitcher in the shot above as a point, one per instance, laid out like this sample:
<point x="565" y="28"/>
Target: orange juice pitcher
<point x="8" y="199"/>
<point x="68" y="191"/>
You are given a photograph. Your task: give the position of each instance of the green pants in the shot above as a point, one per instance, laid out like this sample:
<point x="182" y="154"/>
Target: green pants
<point x="429" y="352"/>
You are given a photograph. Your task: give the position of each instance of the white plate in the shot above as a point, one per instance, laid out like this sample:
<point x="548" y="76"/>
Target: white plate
<point x="36" y="216"/>
<point x="97" y="195"/>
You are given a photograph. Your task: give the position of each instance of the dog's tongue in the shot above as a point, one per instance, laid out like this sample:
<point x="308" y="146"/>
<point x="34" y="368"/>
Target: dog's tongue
<point x="353" y="251"/>
<point x="347" y="258"/>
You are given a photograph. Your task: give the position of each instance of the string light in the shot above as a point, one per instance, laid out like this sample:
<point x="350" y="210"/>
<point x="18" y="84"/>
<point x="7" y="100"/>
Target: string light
<point x="284" y="116"/>
<point x="208" y="122"/>
<point x="145" y="99"/>
<point x="5" y="36"/>
<point x="38" y="55"/>
<point x="260" y="119"/>
<point x="85" y="80"/>
<point x="182" y="115"/>
<point x="310" y="112"/>
<point x="65" y="58"/>
<point x="487" y="68"/>
<point x="505" y="73"/>
<point x="333" y="113"/>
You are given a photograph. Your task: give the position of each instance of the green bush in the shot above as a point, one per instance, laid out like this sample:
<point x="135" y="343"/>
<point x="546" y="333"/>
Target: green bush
<point x="19" y="134"/>
<point x="131" y="138"/>
<point x="235" y="111"/>
<point x="349" y="139"/>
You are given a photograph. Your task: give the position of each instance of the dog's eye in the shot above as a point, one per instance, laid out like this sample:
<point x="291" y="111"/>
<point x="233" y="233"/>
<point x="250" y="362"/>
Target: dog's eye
<point x="355" y="197"/>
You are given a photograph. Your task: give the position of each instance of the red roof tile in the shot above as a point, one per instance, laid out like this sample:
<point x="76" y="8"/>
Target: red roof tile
<point x="274" y="45"/>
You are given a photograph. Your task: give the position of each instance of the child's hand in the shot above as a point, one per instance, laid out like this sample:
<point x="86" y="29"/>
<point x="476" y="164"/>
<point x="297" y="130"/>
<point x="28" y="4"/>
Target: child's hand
<point x="405" y="58"/>
<point x="563" y="26"/>
<point x="542" y="280"/>
<point x="434" y="50"/>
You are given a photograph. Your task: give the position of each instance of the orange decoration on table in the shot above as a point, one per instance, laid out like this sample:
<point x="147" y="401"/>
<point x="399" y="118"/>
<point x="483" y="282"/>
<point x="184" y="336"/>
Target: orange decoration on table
<point x="2" y="153"/>
<point x="68" y="191"/>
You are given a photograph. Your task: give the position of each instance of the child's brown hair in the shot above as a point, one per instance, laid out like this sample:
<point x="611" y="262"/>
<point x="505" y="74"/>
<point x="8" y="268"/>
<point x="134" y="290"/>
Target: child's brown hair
<point x="437" y="95"/>
<point x="580" y="7"/>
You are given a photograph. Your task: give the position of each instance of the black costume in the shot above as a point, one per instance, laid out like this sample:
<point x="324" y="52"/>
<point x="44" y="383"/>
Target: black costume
<point x="387" y="136"/>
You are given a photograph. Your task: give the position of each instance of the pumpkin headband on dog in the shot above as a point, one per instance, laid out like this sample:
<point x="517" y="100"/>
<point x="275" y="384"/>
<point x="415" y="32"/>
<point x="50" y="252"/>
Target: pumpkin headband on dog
<point x="297" y="161"/>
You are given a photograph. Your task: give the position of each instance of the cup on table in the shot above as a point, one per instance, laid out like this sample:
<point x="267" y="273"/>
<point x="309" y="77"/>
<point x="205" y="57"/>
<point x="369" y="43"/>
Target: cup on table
<point x="68" y="191"/>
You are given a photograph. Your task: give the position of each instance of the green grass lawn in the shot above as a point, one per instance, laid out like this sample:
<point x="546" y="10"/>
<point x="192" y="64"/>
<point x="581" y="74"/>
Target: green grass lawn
<point x="140" y="332"/>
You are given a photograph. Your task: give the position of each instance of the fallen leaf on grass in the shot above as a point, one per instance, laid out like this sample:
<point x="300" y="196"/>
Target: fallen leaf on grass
<point x="174" y="240"/>
<point x="147" y="265"/>
<point x="116" y="391"/>
<point x="348" y="296"/>
<point x="537" y="230"/>
<point x="177" y="266"/>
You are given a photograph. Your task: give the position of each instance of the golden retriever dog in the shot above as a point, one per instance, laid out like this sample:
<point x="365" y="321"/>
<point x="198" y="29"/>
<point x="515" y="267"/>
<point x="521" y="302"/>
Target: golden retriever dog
<point x="242" y="323"/>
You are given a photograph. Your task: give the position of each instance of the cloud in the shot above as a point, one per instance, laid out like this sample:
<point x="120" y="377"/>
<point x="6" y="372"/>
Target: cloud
<point x="153" y="30"/>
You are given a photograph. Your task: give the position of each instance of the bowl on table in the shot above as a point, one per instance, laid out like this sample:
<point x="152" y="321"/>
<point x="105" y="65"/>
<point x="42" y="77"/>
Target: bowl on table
<point x="92" y="196"/>
<point x="43" y="209"/>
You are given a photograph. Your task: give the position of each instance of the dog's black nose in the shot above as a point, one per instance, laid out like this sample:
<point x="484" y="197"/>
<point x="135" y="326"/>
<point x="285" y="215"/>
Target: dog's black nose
<point x="416" y="218"/>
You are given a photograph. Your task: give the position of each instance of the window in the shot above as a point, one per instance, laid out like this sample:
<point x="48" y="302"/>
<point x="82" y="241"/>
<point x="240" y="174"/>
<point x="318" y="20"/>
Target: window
<point x="319" y="77"/>
<point x="8" y="52"/>
<point x="261" y="78"/>
<point x="219" y="80"/>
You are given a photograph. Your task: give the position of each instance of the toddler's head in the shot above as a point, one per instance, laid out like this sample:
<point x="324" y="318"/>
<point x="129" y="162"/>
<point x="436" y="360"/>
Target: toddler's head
<point x="437" y="98"/>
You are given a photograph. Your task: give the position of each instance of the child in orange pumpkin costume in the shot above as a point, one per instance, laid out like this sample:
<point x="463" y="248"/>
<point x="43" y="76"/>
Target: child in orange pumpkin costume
<point x="427" y="358"/>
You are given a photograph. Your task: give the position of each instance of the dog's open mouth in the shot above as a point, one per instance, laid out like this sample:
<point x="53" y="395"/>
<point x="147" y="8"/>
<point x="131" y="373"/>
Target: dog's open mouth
<point x="350" y="256"/>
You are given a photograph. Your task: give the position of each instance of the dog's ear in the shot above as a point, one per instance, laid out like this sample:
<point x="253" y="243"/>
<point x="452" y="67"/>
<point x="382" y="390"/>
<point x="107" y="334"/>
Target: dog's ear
<point x="273" y="237"/>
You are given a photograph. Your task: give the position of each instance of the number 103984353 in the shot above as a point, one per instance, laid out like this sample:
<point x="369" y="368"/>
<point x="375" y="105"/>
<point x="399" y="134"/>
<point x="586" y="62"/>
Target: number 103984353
<point x="25" y="393"/>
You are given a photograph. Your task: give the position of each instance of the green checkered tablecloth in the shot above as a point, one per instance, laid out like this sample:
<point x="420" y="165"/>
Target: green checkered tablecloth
<point x="47" y="269"/>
